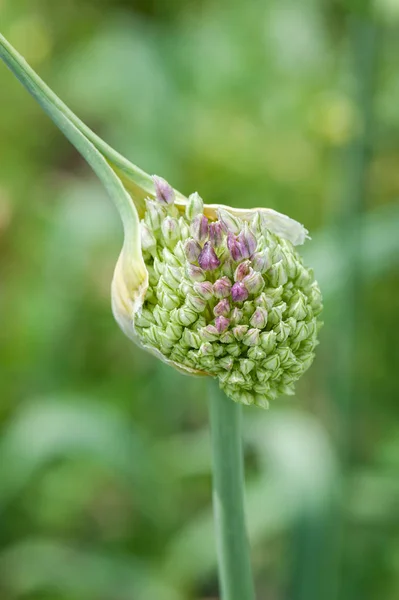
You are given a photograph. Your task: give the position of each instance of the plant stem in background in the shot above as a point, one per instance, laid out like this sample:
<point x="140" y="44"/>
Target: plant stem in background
<point x="235" y="574"/>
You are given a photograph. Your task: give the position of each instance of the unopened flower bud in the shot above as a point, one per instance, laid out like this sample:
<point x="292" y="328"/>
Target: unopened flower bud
<point x="268" y="341"/>
<point x="242" y="270"/>
<point x="226" y="337"/>
<point x="254" y="282"/>
<point x="261" y="261"/>
<point x="170" y="230"/>
<point x="222" y="287"/>
<point x="246" y="366"/>
<point x="216" y="233"/>
<point x="277" y="274"/>
<point x="236" y="315"/>
<point x="190" y="338"/>
<point x="199" y="228"/>
<point x="297" y="308"/>
<point x="204" y="289"/>
<point x="195" y="273"/>
<point x="221" y="324"/>
<point x="209" y="333"/>
<point x="164" y="193"/>
<point x="192" y="250"/>
<point x="251" y="338"/>
<point x="222" y="308"/>
<point x="196" y="303"/>
<point x="247" y="241"/>
<point x="148" y="241"/>
<point x="276" y="313"/>
<point x="208" y="260"/>
<point x="239" y="331"/>
<point x="194" y="206"/>
<point x="206" y="349"/>
<point x="172" y="275"/>
<point x="229" y="222"/>
<point x="282" y="330"/>
<point x="234" y="247"/>
<point x="154" y="215"/>
<point x="186" y="316"/>
<point x="239" y="292"/>
<point x="272" y="363"/>
<point x="227" y="362"/>
<point x="259" y="318"/>
<point x="256" y="354"/>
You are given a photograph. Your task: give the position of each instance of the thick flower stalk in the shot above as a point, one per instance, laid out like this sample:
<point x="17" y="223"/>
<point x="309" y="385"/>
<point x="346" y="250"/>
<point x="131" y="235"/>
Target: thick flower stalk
<point x="227" y="297"/>
<point x="209" y="289"/>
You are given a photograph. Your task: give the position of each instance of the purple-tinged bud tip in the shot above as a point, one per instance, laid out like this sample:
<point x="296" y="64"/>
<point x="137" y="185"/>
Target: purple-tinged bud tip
<point x="204" y="289"/>
<point x="234" y="247"/>
<point x="239" y="292"/>
<point x="192" y="250"/>
<point x="229" y="223"/>
<point x="261" y="261"/>
<point x="222" y="287"/>
<point x="247" y="241"/>
<point x="242" y="270"/>
<point x="221" y="324"/>
<point x="199" y="228"/>
<point x="222" y="308"/>
<point x="195" y="273"/>
<point x="254" y="282"/>
<point x="216" y="233"/>
<point x="259" y="318"/>
<point x="164" y="192"/>
<point x="208" y="260"/>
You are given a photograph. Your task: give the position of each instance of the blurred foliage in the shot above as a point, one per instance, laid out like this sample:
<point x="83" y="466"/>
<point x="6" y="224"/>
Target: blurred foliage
<point x="105" y="465"/>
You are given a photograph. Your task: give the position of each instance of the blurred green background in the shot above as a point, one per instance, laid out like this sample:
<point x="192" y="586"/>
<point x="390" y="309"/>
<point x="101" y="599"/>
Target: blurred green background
<point x="105" y="466"/>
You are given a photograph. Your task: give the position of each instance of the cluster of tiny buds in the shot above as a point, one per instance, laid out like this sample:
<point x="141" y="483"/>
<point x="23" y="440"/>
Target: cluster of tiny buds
<point x="226" y="297"/>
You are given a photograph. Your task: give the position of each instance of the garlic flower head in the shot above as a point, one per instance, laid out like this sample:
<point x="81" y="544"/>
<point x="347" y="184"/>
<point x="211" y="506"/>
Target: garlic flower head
<point x="209" y="289"/>
<point x="226" y="295"/>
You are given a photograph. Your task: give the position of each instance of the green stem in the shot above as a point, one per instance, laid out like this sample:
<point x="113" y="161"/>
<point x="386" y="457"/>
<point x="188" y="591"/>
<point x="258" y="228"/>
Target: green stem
<point x="235" y="574"/>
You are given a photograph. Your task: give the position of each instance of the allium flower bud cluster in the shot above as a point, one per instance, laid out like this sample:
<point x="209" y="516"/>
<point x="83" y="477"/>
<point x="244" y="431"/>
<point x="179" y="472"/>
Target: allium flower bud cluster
<point x="227" y="298"/>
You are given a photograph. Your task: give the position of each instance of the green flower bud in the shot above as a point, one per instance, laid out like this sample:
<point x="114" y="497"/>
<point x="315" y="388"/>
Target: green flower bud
<point x="194" y="206"/>
<point x="259" y="318"/>
<point x="251" y="338"/>
<point x="170" y="231"/>
<point x="148" y="241"/>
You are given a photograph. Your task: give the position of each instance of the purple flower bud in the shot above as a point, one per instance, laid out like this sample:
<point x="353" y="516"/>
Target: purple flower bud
<point x="192" y="250"/>
<point x="254" y="282"/>
<point x="261" y="261"/>
<point x="247" y="242"/>
<point x="199" y="228"/>
<point x="242" y="270"/>
<point x="221" y="324"/>
<point x="229" y="223"/>
<point x="234" y="247"/>
<point x="222" y="308"/>
<point x="222" y="287"/>
<point x="164" y="192"/>
<point x="207" y="259"/>
<point x="216" y="233"/>
<point x="204" y="289"/>
<point x="239" y="292"/>
<point x="195" y="273"/>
